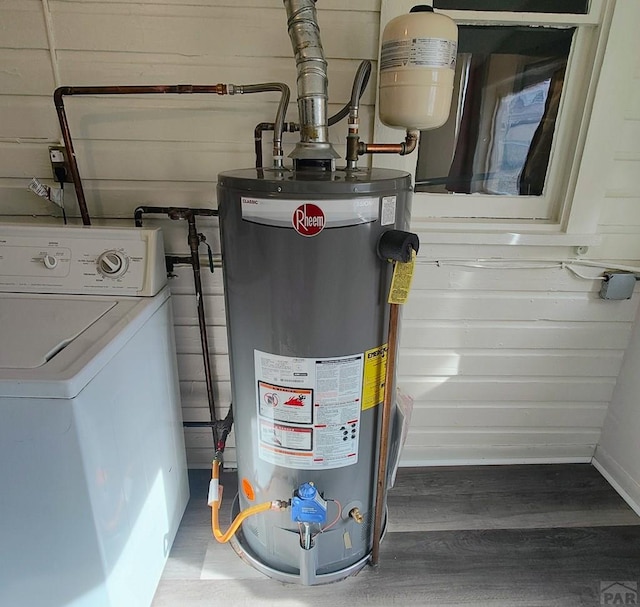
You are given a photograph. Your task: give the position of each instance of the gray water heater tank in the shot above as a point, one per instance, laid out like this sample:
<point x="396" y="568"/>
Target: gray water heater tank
<point x="307" y="315"/>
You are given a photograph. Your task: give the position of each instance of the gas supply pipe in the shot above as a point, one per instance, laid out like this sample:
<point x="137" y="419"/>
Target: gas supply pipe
<point x="215" y="499"/>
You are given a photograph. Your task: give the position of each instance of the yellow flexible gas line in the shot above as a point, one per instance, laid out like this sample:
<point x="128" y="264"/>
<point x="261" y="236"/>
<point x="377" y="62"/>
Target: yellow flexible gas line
<point x="214" y="502"/>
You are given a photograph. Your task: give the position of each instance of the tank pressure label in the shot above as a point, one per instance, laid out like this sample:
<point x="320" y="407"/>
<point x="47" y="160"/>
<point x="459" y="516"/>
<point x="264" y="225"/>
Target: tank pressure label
<point x="310" y="217"/>
<point x="418" y="52"/>
<point x="309" y="410"/>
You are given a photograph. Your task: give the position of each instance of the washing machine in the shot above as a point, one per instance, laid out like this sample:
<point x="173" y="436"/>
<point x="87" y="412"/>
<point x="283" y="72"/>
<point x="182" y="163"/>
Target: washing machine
<point x="93" y="480"/>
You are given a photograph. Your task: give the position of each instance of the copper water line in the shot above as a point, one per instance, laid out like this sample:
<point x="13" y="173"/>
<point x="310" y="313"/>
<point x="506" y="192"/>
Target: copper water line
<point x="289" y="127"/>
<point x="406" y="147"/>
<point x="65" y="91"/>
<point x="179" y="89"/>
<point x="400" y="247"/>
<point x="381" y="483"/>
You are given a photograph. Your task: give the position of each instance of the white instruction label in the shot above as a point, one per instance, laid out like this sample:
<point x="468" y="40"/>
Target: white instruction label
<point x="418" y="52"/>
<point x="308" y="410"/>
<point x="388" y="216"/>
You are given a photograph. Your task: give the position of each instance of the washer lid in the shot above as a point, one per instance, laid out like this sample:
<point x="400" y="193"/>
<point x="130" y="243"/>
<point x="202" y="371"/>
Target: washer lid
<point x="35" y="330"/>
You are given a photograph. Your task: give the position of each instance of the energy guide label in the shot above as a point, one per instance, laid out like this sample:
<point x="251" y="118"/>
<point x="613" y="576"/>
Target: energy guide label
<point x="308" y="410"/>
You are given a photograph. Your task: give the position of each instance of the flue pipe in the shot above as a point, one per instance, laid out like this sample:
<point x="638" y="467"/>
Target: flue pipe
<point x="312" y="83"/>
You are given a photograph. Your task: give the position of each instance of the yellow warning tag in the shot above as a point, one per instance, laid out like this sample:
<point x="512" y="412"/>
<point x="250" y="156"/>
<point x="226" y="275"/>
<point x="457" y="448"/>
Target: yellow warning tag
<point x="401" y="281"/>
<point x="375" y="369"/>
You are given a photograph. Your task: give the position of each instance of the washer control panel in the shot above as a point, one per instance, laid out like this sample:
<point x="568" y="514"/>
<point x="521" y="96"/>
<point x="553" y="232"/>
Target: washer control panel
<point x="85" y="260"/>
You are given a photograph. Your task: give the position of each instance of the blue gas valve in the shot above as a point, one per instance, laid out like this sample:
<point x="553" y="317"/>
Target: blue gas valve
<point x="307" y="506"/>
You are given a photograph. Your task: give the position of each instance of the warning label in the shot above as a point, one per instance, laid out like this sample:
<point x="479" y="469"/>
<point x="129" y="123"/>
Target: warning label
<point x="401" y="281"/>
<point x="375" y="369"/>
<point x="285" y="404"/>
<point x="289" y="437"/>
<point x="309" y="410"/>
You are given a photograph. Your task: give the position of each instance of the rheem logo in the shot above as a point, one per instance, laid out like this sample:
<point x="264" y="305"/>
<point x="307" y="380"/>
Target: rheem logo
<point x="308" y="219"/>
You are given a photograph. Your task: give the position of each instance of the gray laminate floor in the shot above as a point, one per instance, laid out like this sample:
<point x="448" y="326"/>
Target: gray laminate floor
<point x="507" y="536"/>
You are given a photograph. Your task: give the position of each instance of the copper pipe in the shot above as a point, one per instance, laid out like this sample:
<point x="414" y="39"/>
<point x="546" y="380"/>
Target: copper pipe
<point x="290" y="127"/>
<point x="381" y="483"/>
<point x="65" y="91"/>
<point x="177" y="89"/>
<point x="257" y="140"/>
<point x="406" y="147"/>
<point x="380" y="148"/>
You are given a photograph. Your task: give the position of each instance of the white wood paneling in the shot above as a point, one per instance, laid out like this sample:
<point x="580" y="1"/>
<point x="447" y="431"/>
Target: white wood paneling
<point x="502" y="364"/>
<point x="499" y="372"/>
<point x="488" y="389"/>
<point x="618" y="454"/>
<point x="23" y="25"/>
<point x="28" y="118"/>
<point x="197" y="30"/>
<point x="25" y="72"/>
<point x="512" y="335"/>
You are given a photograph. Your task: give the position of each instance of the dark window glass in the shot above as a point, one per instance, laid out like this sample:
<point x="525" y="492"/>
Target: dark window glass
<point x="507" y="90"/>
<point x="580" y="7"/>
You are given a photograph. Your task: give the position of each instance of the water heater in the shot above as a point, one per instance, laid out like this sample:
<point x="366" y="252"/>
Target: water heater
<point x="307" y="315"/>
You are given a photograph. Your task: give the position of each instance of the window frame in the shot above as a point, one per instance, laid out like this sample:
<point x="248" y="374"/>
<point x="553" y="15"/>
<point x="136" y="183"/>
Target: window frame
<point x="554" y="210"/>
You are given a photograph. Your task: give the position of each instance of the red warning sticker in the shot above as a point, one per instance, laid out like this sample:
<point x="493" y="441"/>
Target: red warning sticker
<point x="308" y="219"/>
<point x="285" y="404"/>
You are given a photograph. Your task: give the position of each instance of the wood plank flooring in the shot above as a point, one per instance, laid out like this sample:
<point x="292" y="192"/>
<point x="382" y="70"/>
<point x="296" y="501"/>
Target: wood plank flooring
<point x="499" y="536"/>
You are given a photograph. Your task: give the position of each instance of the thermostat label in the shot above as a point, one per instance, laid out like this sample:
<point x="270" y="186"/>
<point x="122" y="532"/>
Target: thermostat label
<point x="308" y="410"/>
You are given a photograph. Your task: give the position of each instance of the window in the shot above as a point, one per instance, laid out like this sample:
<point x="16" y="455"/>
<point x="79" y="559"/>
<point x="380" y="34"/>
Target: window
<point x="523" y="87"/>
<point x="508" y="87"/>
<point x="516" y="6"/>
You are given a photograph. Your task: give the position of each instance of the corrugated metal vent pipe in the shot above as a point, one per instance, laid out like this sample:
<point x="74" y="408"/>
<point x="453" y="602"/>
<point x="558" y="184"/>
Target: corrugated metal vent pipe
<point x="312" y="84"/>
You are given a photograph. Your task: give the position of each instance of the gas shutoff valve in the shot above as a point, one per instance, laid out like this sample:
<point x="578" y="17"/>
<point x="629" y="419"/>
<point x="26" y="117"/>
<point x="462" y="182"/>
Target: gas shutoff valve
<point x="307" y="506"/>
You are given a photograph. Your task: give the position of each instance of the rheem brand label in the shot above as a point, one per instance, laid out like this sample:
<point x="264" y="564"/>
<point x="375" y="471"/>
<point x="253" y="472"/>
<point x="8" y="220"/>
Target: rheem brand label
<point x="308" y="219"/>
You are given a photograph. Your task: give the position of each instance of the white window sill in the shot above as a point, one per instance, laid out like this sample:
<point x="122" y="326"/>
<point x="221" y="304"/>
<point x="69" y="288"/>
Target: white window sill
<point x="474" y="234"/>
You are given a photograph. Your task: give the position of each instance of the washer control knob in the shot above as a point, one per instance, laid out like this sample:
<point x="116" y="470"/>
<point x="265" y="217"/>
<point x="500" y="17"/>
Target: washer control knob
<point x="49" y="261"/>
<point x="112" y="264"/>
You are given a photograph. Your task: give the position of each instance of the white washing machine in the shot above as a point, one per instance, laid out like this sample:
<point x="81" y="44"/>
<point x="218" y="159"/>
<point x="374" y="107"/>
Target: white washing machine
<point x="93" y="480"/>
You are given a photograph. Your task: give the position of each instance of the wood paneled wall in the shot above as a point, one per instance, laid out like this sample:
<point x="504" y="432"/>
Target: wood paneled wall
<point x="503" y="364"/>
